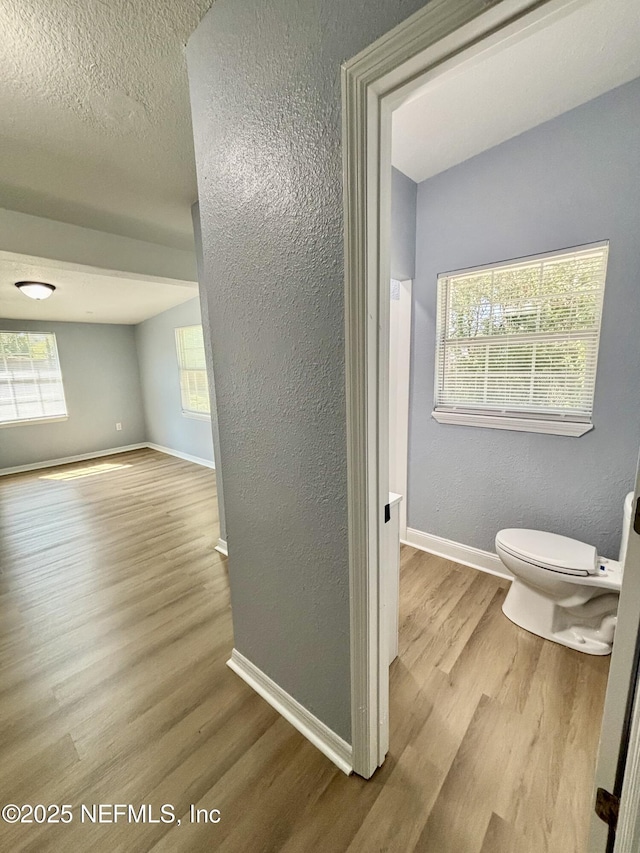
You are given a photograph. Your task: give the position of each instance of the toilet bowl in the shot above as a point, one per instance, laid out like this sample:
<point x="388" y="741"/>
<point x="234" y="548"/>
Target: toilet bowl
<point x="562" y="590"/>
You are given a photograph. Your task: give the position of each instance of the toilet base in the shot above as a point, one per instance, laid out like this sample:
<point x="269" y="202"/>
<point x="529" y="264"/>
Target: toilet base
<point x="588" y="628"/>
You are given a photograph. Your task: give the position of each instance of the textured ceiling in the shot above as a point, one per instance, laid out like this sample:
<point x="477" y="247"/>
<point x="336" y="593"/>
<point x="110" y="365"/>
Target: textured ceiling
<point x="96" y="126"/>
<point x="500" y="94"/>
<point x="86" y="294"/>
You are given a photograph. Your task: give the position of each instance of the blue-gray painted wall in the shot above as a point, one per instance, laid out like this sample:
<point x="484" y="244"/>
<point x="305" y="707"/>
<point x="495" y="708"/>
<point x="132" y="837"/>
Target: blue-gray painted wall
<point x="206" y="335"/>
<point x="160" y="380"/>
<point x="404" y="194"/>
<point x="572" y="180"/>
<point x="264" y="77"/>
<point x="101" y="385"/>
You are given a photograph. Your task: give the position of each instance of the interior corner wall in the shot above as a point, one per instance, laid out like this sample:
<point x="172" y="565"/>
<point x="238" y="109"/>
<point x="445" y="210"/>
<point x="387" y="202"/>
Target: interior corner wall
<point x="101" y="385"/>
<point x="404" y="194"/>
<point x="572" y="180"/>
<point x="266" y="105"/>
<point x="206" y="334"/>
<point x="160" y="381"/>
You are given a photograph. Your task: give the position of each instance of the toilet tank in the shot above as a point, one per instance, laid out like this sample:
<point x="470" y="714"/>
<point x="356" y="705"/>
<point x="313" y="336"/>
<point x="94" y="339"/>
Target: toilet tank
<point x="626" y="524"/>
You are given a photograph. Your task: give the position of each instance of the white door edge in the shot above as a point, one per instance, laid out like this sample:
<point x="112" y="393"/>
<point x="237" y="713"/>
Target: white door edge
<point x="399" y="378"/>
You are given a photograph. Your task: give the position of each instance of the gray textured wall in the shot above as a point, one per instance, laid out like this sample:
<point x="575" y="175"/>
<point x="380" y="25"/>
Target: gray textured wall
<point x="266" y="105"/>
<point x="206" y="334"/>
<point x="404" y="194"/>
<point x="101" y="385"/>
<point x="160" y="380"/>
<point x="569" y="181"/>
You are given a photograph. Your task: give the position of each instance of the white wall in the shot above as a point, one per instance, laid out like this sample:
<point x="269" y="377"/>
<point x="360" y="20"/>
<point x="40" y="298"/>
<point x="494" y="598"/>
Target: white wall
<point x="404" y="193"/>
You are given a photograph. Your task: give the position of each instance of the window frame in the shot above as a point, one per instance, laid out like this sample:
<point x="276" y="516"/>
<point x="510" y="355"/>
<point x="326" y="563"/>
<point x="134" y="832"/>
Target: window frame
<point x="569" y="424"/>
<point x="189" y="413"/>
<point x="40" y="419"/>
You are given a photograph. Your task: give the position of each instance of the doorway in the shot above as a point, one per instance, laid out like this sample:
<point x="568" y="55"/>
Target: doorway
<point x="375" y="83"/>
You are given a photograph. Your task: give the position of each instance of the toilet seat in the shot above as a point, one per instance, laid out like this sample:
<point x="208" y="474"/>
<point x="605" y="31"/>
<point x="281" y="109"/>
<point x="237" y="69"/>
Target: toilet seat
<point x="549" y="551"/>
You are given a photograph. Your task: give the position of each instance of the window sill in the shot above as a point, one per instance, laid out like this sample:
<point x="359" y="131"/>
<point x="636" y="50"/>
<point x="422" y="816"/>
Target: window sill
<point x="197" y="416"/>
<point x="31" y="421"/>
<point x="570" y="428"/>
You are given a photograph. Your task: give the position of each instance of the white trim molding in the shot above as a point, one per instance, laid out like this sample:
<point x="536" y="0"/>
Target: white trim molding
<point x="67" y="460"/>
<point x="112" y="451"/>
<point x="207" y="463"/>
<point x="320" y="735"/>
<point x="222" y="547"/>
<point x="196" y="416"/>
<point x="34" y="421"/>
<point x="466" y="555"/>
<point x="515" y="424"/>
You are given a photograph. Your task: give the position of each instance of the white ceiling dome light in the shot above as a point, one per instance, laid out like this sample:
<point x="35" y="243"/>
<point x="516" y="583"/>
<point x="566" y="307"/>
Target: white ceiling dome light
<point x="35" y="289"/>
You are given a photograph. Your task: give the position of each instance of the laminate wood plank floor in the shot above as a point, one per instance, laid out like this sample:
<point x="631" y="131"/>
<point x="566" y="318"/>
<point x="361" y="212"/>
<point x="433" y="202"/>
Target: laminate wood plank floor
<point x="115" y="627"/>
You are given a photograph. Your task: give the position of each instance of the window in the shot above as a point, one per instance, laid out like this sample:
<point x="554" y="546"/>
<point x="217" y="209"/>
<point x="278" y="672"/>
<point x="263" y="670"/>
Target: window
<point x="194" y="389"/>
<point x="517" y="342"/>
<point x="30" y="378"/>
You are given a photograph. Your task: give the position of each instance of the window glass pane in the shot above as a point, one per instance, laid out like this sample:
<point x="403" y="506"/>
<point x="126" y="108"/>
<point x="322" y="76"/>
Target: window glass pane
<point x="522" y="337"/>
<point x="30" y="377"/>
<point x="194" y="388"/>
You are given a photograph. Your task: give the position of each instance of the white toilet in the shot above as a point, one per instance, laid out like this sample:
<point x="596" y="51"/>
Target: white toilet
<point x="562" y="590"/>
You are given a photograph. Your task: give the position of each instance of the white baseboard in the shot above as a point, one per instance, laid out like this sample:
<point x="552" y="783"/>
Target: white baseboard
<point x="320" y="735"/>
<point x="208" y="463"/>
<point x="96" y="454"/>
<point x="66" y="460"/>
<point x="222" y="547"/>
<point x="484" y="561"/>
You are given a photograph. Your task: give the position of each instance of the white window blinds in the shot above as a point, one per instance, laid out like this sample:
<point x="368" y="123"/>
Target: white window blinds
<point x="520" y="339"/>
<point x="30" y="378"/>
<point x="194" y="388"/>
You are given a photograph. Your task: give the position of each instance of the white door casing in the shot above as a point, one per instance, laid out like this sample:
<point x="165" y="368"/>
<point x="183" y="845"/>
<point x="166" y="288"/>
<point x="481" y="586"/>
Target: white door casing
<point x="375" y="82"/>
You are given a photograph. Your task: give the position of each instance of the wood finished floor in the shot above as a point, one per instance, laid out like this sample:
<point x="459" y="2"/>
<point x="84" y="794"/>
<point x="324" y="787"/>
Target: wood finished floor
<point x="115" y="627"/>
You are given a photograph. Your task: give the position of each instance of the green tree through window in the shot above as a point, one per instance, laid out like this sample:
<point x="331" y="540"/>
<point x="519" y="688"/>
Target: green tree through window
<point x="520" y="338"/>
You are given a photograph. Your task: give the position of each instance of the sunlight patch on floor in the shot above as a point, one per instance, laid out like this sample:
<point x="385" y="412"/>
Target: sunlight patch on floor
<point x="89" y="471"/>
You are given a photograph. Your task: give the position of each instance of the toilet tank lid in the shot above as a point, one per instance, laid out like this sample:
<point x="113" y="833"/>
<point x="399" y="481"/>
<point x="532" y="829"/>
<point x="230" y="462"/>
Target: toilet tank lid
<point x="549" y="550"/>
